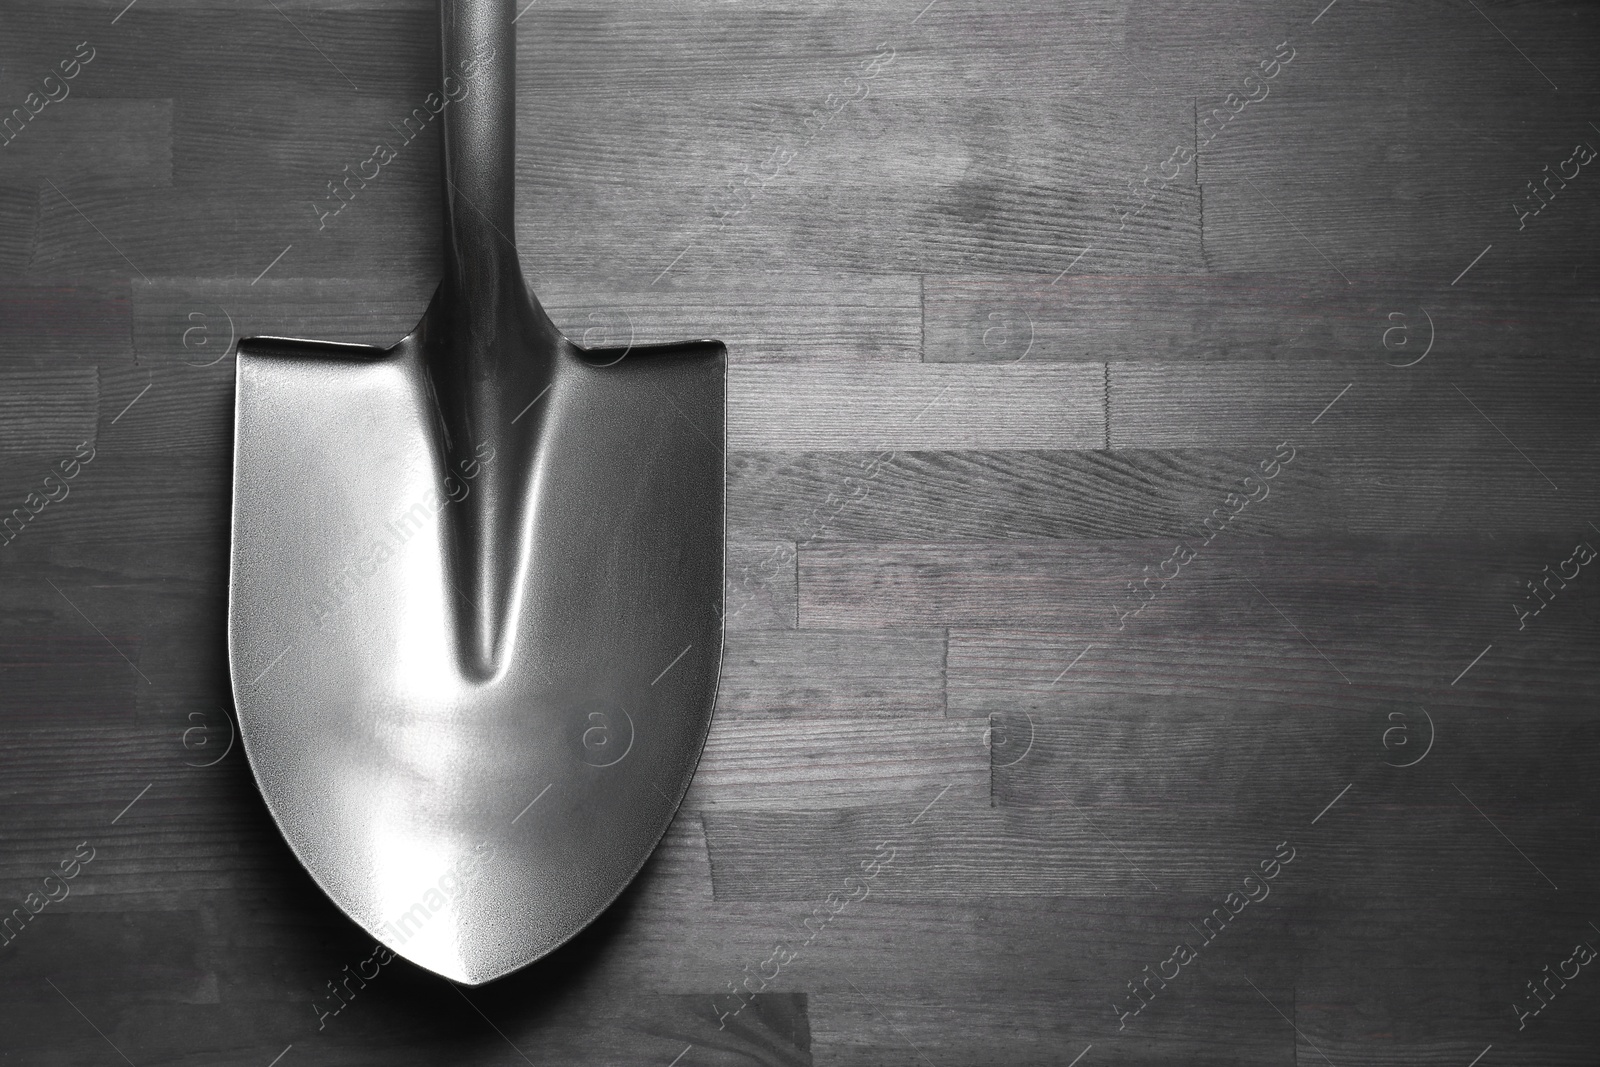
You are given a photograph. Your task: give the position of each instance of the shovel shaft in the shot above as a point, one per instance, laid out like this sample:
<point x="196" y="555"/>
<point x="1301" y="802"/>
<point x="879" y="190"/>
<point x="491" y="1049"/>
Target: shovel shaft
<point x="479" y="82"/>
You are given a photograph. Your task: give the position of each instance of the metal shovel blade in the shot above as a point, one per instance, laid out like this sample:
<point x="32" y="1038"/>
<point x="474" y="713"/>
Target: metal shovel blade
<point x="475" y="611"/>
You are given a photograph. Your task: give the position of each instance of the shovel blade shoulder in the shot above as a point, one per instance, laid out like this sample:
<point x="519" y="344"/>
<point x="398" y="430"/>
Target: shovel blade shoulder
<point x="475" y="821"/>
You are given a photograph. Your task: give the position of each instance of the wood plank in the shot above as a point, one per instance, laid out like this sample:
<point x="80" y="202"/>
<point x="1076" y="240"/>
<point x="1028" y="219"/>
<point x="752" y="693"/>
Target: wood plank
<point x="228" y="236"/>
<point x="815" y="763"/>
<point x="1076" y="583"/>
<point x="195" y="320"/>
<point x="129" y="141"/>
<point x="166" y="627"/>
<point x="1244" y="315"/>
<point x="1355" y="49"/>
<point x="293" y="142"/>
<point x="47" y="412"/>
<point x="1293" y="188"/>
<point x="903" y="407"/>
<point x="760" y="591"/>
<point x="1140" y="852"/>
<point x="1163" y="405"/>
<point x="56" y="671"/>
<point x="948" y="496"/>
<point x="86" y="785"/>
<point x="168" y="944"/>
<point x="1215" y="1025"/>
<point x="965" y="851"/>
<point x="1008" y="673"/>
<point x="70" y="655"/>
<point x="184" y="541"/>
<point x="1259" y="756"/>
<point x="19" y="222"/>
<point x="159" y="410"/>
<point x="806" y="673"/>
<point x="63" y="323"/>
<point x="838" y="485"/>
<point x="1394" y="667"/>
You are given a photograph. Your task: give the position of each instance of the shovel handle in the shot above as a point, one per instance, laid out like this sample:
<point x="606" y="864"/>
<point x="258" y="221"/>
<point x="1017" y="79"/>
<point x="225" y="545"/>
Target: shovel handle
<point x="479" y="64"/>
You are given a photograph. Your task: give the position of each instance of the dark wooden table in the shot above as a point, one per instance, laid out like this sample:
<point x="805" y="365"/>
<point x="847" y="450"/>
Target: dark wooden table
<point x="1028" y="306"/>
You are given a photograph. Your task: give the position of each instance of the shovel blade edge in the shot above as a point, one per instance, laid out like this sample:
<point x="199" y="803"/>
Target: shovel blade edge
<point x="471" y="823"/>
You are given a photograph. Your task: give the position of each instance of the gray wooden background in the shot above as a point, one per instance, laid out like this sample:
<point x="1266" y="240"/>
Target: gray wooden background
<point x="1016" y="296"/>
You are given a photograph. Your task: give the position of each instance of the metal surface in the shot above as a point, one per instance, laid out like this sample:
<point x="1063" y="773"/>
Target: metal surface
<point x="475" y="612"/>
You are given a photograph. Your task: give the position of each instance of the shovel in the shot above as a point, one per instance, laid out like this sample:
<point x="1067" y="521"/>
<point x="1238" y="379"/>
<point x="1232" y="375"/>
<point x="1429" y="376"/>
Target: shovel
<point x="474" y="620"/>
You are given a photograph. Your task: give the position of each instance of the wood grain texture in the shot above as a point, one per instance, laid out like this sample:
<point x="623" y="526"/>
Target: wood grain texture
<point x="1074" y="582"/>
<point x="974" y="395"/>
<point x="57" y="325"/>
<point x="1273" y="757"/>
<point x="900" y="407"/>
<point x="1157" y="405"/>
<point x="805" y="673"/>
<point x="983" y="194"/>
<point x="1307" y="218"/>
<point x="1131" y="851"/>
<point x="955" y="495"/>
<point x="1244" y="315"/>
<point x="89" y="528"/>
<point x="1036" y="1029"/>
<point x="19" y="218"/>
<point x="1374" y="621"/>
<point x="760" y="590"/>
<point x="85" y="140"/>
<point x="1437" y="1029"/>
<point x="1012" y="674"/>
<point x="1350" y="50"/>
<point x="49" y="660"/>
<point x="815" y="763"/>
<point x="47" y="412"/>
